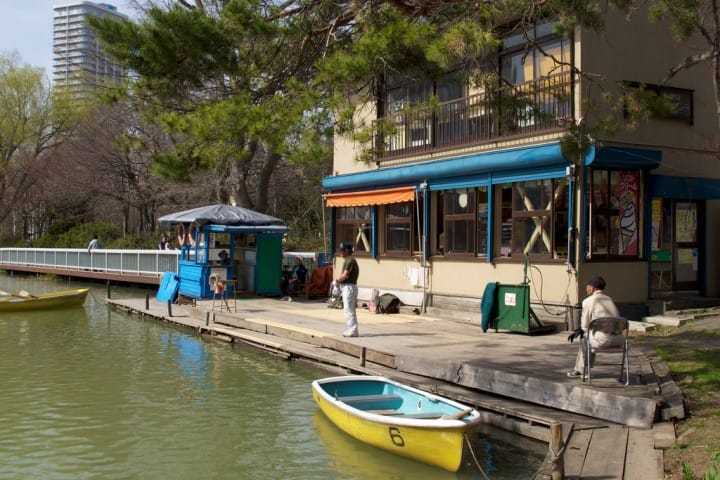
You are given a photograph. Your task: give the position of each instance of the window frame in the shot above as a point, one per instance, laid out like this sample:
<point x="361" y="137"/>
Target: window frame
<point x="471" y="217"/>
<point x="609" y="208"/>
<point x="511" y="217"/>
<point x="409" y="221"/>
<point x="361" y="225"/>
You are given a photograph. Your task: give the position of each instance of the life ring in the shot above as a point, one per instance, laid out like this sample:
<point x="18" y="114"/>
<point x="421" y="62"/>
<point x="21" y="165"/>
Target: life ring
<point x="181" y="234"/>
<point x="191" y="234"/>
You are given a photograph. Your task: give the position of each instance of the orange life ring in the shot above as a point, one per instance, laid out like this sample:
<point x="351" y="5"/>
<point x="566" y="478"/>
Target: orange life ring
<point x="181" y="234"/>
<point x="191" y="234"/>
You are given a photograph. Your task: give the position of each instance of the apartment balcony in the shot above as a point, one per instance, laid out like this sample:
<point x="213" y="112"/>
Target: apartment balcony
<point x="524" y="110"/>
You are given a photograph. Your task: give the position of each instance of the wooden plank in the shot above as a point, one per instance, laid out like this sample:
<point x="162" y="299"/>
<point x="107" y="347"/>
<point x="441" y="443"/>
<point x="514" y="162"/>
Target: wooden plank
<point x="575" y="451"/>
<point x="643" y="460"/>
<point x="613" y="405"/>
<point x="606" y="454"/>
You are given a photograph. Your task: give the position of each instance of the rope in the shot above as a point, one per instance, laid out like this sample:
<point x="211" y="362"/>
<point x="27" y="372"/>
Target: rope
<point x="477" y="464"/>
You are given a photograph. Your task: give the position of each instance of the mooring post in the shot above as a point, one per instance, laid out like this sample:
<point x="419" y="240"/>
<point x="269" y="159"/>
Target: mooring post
<point x="108" y="289"/>
<point x="556" y="451"/>
<point x="169" y="308"/>
<point x="147" y="301"/>
<point x="363" y="353"/>
<point x="207" y="319"/>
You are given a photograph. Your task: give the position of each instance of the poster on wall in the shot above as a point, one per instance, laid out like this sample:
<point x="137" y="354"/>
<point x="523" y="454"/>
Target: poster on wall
<point x="628" y="201"/>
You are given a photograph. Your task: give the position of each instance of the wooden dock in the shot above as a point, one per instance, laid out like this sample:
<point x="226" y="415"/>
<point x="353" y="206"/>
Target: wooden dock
<point x="518" y="381"/>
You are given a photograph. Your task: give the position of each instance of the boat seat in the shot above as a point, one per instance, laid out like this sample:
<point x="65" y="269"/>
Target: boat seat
<point x="364" y="399"/>
<point x="384" y="412"/>
<point x="421" y="415"/>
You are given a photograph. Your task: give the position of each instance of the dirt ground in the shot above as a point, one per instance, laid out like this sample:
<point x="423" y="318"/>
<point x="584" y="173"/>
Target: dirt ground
<point x="698" y="435"/>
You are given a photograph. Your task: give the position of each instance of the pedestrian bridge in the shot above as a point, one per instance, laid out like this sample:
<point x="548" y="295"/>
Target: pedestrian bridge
<point x="131" y="266"/>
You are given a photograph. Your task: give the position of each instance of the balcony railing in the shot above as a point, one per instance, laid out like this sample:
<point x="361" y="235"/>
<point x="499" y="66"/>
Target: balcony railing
<point x="521" y="110"/>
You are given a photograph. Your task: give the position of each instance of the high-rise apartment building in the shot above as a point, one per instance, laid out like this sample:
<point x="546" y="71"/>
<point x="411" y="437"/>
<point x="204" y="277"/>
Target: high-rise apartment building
<point x="79" y="62"/>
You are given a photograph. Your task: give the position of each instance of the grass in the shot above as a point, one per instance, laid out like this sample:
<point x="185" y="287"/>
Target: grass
<point x="693" y="356"/>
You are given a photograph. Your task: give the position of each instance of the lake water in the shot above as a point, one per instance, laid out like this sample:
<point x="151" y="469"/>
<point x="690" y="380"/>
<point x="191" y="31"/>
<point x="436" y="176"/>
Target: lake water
<point x="94" y="393"/>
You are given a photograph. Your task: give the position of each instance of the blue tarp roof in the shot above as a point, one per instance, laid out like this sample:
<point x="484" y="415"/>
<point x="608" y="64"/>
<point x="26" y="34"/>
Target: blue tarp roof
<point x="223" y="215"/>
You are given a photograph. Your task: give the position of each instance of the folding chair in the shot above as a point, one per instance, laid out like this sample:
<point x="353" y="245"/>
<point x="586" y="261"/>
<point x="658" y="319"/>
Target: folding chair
<point x="611" y="326"/>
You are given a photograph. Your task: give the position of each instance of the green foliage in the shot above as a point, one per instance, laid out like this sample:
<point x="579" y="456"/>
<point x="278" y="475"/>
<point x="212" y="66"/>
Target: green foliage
<point x="712" y="474"/>
<point x="80" y="236"/>
<point x="686" y="16"/>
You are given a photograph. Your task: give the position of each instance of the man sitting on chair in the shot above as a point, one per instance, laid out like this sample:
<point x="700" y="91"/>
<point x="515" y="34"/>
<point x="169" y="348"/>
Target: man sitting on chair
<point x="596" y="305"/>
<point x="295" y="281"/>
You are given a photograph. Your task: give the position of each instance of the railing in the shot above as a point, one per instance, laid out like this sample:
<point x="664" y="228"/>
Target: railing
<point x="136" y="263"/>
<point x="520" y="110"/>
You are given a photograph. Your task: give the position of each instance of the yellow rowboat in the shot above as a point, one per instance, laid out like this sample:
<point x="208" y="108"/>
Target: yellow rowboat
<point x="398" y="418"/>
<point x="42" y="301"/>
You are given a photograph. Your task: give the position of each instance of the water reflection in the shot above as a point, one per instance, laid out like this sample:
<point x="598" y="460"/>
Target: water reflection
<point x="96" y="393"/>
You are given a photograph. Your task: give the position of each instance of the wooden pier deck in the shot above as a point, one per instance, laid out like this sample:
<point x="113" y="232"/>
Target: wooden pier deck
<point x="518" y="381"/>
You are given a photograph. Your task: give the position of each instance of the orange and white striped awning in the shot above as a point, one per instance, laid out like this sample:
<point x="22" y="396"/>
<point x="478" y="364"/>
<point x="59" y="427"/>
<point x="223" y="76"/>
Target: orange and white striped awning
<point x="371" y="197"/>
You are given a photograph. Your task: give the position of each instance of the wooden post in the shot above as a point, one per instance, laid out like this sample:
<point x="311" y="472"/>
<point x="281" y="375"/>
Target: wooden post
<point x="108" y="289"/>
<point x="169" y="308"/>
<point x="363" y="353"/>
<point x="207" y="319"/>
<point x="147" y="301"/>
<point x="556" y="451"/>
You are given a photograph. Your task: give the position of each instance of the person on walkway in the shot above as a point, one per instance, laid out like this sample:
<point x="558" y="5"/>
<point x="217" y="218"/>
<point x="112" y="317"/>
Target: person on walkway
<point x="348" y="283"/>
<point x="162" y="244"/>
<point x="596" y="305"/>
<point x="94" y="243"/>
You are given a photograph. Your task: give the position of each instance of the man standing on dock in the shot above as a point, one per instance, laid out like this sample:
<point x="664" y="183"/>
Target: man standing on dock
<point x="348" y="283"/>
<point x="596" y="305"/>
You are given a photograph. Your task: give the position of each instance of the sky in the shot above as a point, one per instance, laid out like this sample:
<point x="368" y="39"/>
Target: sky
<point x="26" y="27"/>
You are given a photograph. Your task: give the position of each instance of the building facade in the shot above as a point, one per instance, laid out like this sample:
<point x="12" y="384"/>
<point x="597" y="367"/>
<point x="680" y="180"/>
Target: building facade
<point x="79" y="63"/>
<point x="508" y="186"/>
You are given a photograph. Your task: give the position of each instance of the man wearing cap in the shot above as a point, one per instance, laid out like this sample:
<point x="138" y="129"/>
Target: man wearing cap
<point x="348" y="284"/>
<point x="596" y="305"/>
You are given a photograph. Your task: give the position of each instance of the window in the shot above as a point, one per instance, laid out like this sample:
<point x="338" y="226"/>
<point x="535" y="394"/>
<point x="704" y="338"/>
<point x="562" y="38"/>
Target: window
<point x="536" y="83"/>
<point x="354" y="224"/>
<point x="672" y="103"/>
<point x="399" y="235"/>
<point x="415" y="125"/>
<point x="615" y="222"/>
<point x="465" y="221"/>
<point x="460" y="221"/>
<point x="533" y="217"/>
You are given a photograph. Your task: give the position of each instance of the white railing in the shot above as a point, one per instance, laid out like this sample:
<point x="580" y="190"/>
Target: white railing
<point x="151" y="263"/>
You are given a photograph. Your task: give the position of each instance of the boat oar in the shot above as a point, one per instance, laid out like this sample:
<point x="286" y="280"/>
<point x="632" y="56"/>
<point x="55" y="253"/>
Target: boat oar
<point x="458" y="415"/>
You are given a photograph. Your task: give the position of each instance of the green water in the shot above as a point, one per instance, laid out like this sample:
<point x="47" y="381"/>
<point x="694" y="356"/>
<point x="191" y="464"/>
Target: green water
<point x="94" y="393"/>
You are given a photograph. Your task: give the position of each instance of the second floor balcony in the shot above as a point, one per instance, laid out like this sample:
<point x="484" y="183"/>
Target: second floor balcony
<point x="532" y="108"/>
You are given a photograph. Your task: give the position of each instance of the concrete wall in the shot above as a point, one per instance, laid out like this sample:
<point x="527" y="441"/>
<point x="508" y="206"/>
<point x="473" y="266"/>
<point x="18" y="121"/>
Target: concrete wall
<point x="641" y="51"/>
<point x="712" y="252"/>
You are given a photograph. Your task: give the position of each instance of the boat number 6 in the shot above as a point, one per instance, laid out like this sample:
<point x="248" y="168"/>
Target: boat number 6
<point x="396" y="437"/>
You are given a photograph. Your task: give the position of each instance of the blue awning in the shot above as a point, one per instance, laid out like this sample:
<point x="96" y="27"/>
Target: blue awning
<point x="684" y="188"/>
<point x="538" y="159"/>
<point x="624" y="157"/>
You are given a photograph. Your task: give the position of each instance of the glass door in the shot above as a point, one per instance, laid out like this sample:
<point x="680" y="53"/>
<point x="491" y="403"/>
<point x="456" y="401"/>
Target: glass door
<point x="685" y="258"/>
